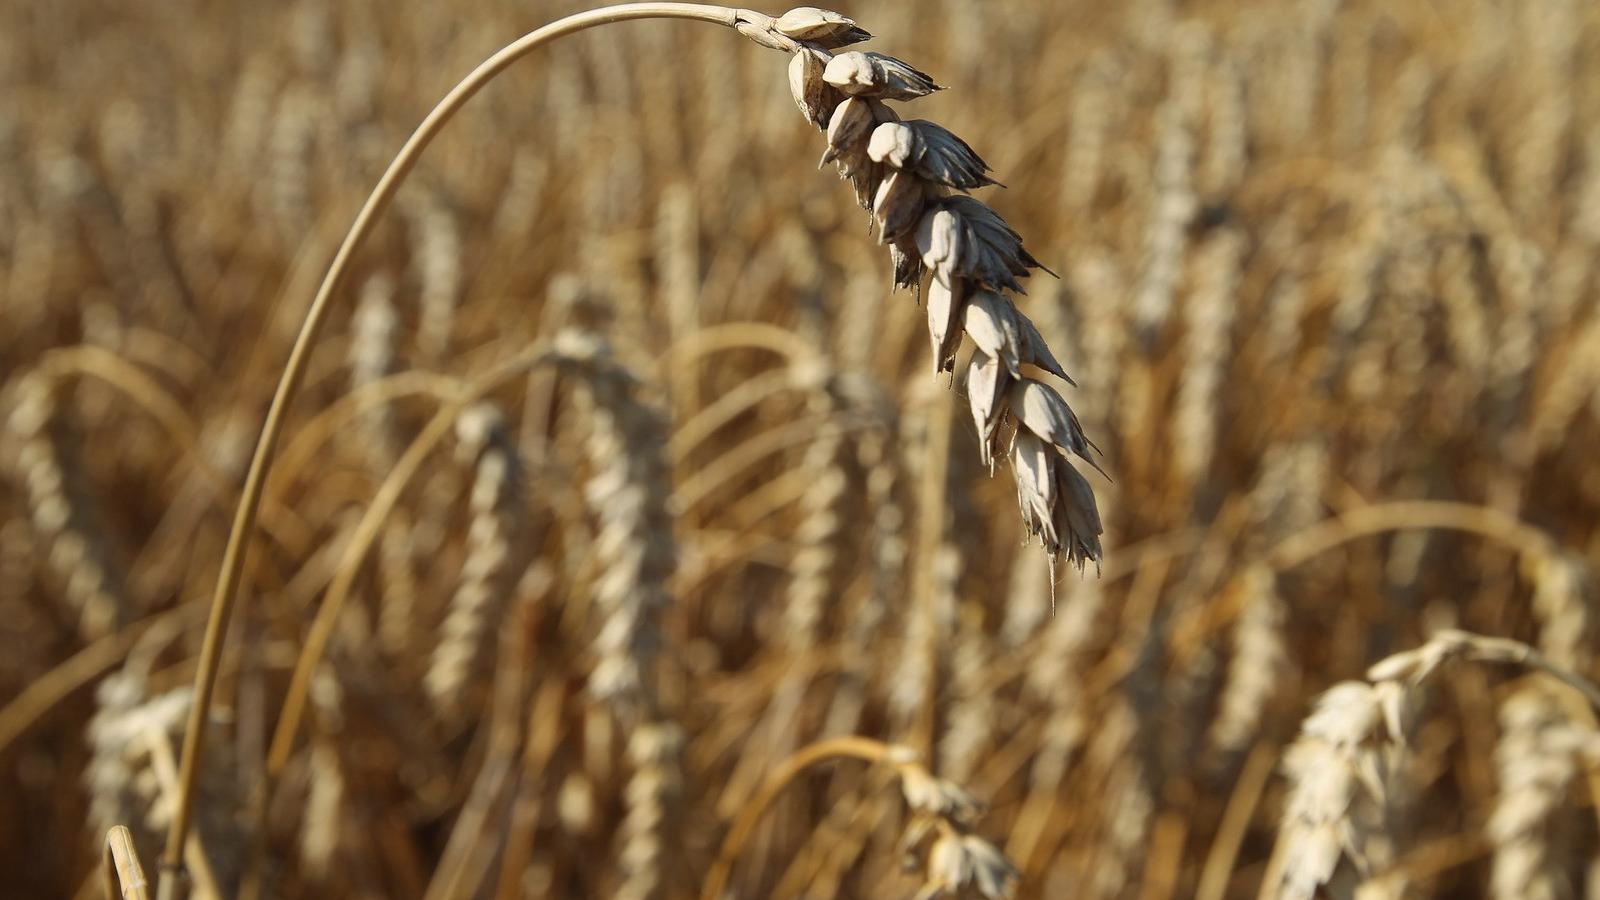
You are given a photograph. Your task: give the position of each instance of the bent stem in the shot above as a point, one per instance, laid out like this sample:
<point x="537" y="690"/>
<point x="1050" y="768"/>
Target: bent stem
<point x="861" y="748"/>
<point x="121" y="874"/>
<point x="226" y="592"/>
<point x="360" y="543"/>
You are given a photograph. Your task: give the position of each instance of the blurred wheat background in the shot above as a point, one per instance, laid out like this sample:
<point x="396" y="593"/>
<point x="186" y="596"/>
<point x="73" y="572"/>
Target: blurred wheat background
<point x="1328" y="287"/>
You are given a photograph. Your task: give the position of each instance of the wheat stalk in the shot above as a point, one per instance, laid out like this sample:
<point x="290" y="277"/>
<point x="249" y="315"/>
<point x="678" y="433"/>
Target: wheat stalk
<point x="121" y="872"/>
<point x="129" y="776"/>
<point x="955" y="860"/>
<point x="763" y="29"/>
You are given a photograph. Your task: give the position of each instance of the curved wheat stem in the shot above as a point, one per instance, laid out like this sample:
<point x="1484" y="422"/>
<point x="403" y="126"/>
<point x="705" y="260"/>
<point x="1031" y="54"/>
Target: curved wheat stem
<point x="956" y="859"/>
<point x="754" y="25"/>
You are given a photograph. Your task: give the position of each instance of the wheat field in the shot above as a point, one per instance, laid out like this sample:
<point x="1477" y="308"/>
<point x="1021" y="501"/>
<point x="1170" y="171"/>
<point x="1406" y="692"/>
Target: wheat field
<point x="622" y="542"/>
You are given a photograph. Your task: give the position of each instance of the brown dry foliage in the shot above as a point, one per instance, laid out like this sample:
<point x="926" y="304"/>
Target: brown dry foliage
<point x="1318" y="258"/>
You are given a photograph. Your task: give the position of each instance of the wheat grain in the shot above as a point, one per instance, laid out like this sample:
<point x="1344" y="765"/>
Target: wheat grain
<point x="820" y="528"/>
<point x="627" y="493"/>
<point x="436" y="252"/>
<point x="938" y="836"/>
<point x="1127" y="801"/>
<point x="324" y="828"/>
<point x="495" y="559"/>
<point x="1562" y="599"/>
<point x="1092" y="117"/>
<point x="1345" y="769"/>
<point x="875" y="452"/>
<point x="291" y="145"/>
<point x="1225" y="155"/>
<point x="373" y="357"/>
<point x="969" y="724"/>
<point x="646" y="835"/>
<point x="39" y="454"/>
<point x="898" y="170"/>
<point x="1536" y="764"/>
<point x="1174" y="202"/>
<point x="1259" y="661"/>
<point x="126" y="737"/>
<point x="1209" y="321"/>
<point x="1340" y="769"/>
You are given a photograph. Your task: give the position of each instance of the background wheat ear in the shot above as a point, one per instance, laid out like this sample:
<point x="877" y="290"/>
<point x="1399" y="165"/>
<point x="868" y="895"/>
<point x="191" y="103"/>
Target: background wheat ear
<point x="496" y="556"/>
<point x="1348" y="773"/>
<point x="41" y="452"/>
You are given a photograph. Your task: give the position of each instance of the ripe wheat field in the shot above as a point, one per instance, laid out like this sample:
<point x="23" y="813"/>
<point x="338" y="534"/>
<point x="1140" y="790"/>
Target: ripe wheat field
<point x="631" y="537"/>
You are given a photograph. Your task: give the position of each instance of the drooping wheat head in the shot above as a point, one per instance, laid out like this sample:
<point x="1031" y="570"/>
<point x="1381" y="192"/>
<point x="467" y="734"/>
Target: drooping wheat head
<point x="914" y="176"/>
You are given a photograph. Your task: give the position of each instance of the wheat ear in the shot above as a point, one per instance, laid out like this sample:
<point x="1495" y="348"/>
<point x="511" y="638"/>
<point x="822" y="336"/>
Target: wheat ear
<point x="63" y="514"/>
<point x="495" y="556"/>
<point x="1342" y="768"/>
<point x="1536" y="761"/>
<point x="777" y="33"/>
<point x="627" y="494"/>
<point x="914" y="177"/>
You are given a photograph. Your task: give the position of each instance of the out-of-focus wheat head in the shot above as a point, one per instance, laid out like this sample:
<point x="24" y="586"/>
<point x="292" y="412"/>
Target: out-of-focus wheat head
<point x="1328" y="279"/>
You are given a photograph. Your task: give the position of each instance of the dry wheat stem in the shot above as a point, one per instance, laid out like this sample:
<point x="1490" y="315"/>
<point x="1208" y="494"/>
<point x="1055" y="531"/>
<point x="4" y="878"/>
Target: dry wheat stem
<point x="295" y="368"/>
<point x="751" y="811"/>
<point x="115" y="372"/>
<point x="938" y="809"/>
<point x="360" y="543"/>
<point x="689" y="350"/>
<point x="45" y="692"/>
<point x="123" y="874"/>
<point x="1409" y="514"/>
<point x="1235" y="824"/>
